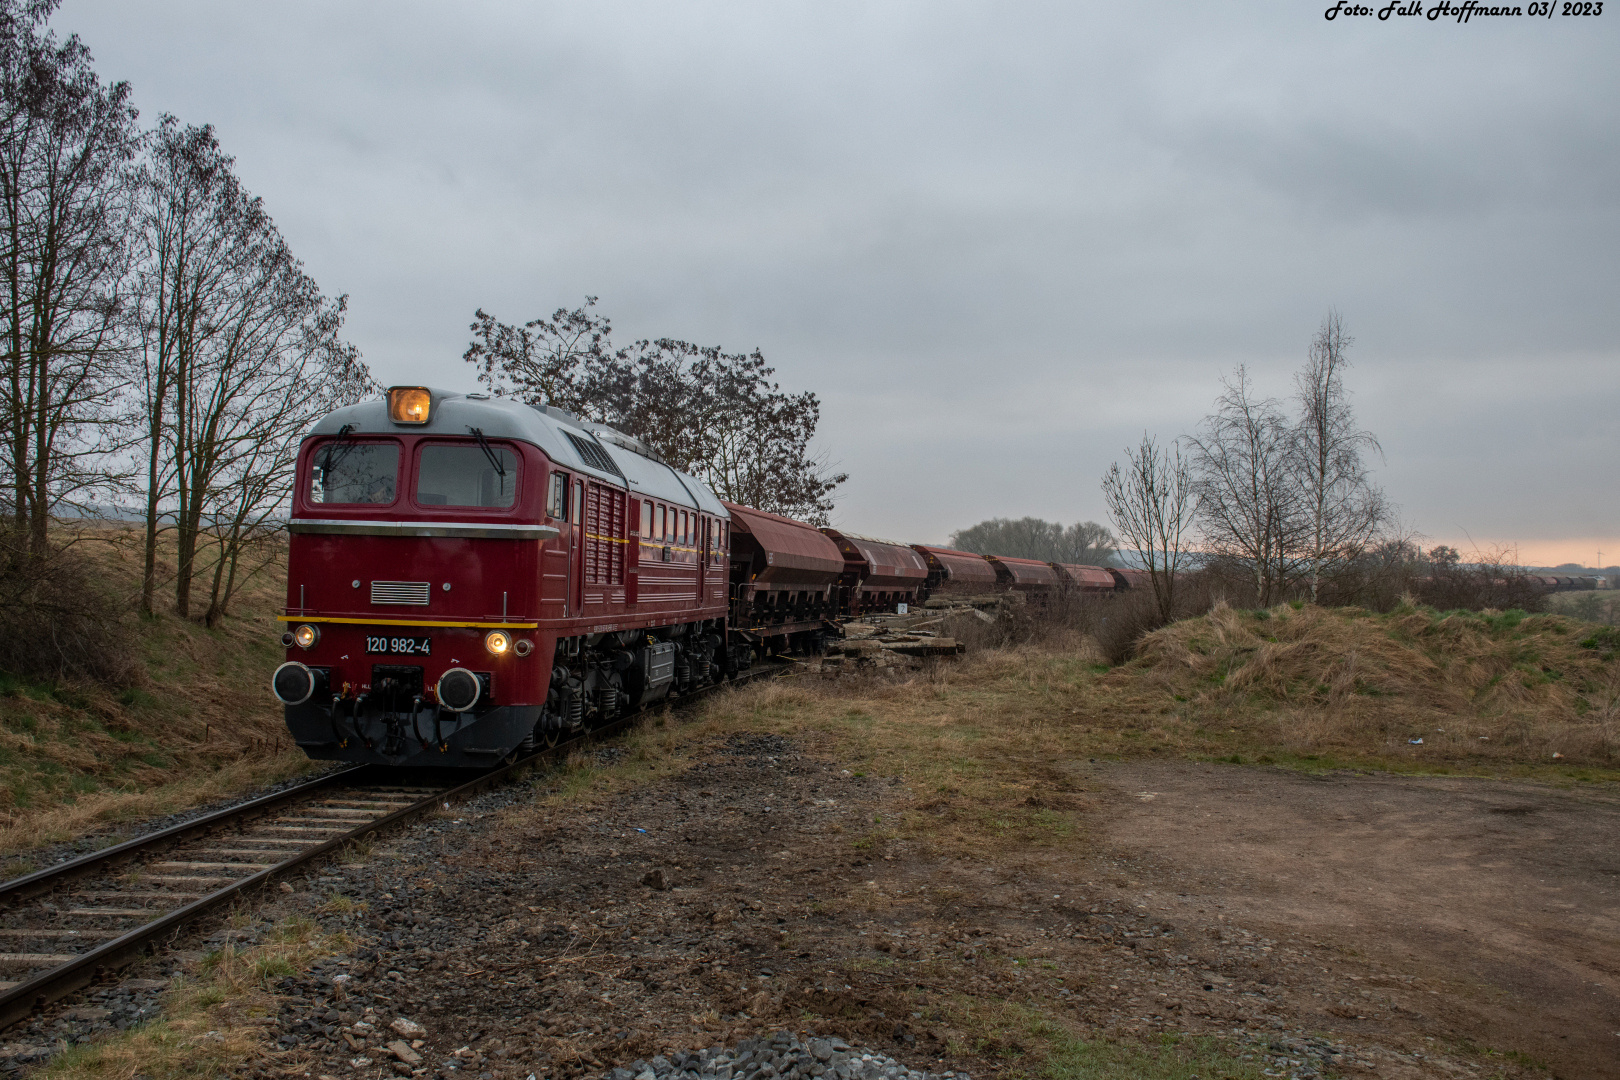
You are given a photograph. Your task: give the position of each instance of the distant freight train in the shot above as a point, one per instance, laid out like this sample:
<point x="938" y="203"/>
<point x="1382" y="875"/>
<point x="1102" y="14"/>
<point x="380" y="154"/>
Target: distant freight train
<point x="470" y="577"/>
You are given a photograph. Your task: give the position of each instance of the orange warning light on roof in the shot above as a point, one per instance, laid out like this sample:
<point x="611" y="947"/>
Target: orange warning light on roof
<point x="409" y="404"/>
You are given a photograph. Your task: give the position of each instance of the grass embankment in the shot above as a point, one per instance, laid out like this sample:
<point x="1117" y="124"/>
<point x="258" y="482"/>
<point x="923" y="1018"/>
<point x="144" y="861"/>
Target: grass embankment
<point x="198" y="725"/>
<point x="1504" y="694"/>
<point x="987" y="743"/>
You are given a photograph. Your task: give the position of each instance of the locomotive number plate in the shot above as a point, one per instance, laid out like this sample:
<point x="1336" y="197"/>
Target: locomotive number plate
<point x="400" y="646"/>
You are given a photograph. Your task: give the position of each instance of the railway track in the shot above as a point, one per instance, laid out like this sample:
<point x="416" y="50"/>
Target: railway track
<point x="63" y="927"/>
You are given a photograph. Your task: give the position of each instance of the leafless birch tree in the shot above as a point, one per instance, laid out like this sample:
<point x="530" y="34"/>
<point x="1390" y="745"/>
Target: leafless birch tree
<point x="1343" y="510"/>
<point x="1249" y="502"/>
<point x="1152" y="504"/>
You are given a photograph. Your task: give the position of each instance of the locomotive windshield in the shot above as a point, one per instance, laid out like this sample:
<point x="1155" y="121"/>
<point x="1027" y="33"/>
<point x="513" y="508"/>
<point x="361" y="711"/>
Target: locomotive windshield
<point x="460" y="475"/>
<point x="348" y="472"/>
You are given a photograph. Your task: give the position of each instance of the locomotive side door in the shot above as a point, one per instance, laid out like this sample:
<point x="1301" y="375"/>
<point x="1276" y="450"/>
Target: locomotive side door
<point x="638" y="512"/>
<point x="556" y="556"/>
<point x="576" y="549"/>
<point x="702" y="545"/>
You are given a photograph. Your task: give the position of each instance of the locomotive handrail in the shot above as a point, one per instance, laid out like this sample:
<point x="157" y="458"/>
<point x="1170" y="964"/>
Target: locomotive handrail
<point x="372" y="527"/>
<point x="510" y="624"/>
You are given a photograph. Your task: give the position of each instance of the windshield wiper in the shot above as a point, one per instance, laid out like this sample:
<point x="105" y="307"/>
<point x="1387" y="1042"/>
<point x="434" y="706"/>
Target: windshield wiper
<point x="340" y="441"/>
<point x="483" y="444"/>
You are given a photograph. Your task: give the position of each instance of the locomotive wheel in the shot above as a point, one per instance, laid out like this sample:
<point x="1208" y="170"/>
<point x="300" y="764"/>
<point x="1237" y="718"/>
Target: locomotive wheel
<point x="551" y="736"/>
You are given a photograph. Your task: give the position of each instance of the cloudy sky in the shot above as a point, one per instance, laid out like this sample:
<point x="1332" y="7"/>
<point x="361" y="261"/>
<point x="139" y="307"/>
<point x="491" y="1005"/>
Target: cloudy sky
<point x="1001" y="241"/>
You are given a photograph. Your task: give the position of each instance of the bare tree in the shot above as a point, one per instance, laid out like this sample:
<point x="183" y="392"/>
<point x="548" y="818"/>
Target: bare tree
<point x="308" y="373"/>
<point x="1344" y="510"/>
<point x="1249" y="504"/>
<point x="544" y="361"/>
<point x="241" y="403"/>
<point x="1152" y="504"/>
<point x="67" y="145"/>
<point x="238" y="353"/>
<point x="1084" y="542"/>
<point x="189" y="212"/>
<point x="714" y="414"/>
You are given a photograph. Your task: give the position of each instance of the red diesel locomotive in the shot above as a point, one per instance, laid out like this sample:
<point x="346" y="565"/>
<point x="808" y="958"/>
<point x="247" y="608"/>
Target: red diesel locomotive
<point x="471" y="577"/>
<point x="468" y="577"/>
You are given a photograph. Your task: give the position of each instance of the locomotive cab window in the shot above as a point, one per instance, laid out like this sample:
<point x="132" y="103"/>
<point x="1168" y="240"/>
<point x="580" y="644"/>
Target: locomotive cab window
<point x="646" y="519"/>
<point x="557" y="496"/>
<point x="350" y="472"/>
<point x="484" y="476"/>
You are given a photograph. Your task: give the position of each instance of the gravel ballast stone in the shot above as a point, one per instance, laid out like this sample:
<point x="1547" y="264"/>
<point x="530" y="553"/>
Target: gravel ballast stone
<point x="781" y="1055"/>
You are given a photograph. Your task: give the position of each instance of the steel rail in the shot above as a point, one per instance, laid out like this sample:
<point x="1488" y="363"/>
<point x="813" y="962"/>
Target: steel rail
<point x="31" y="885"/>
<point x="20" y="1001"/>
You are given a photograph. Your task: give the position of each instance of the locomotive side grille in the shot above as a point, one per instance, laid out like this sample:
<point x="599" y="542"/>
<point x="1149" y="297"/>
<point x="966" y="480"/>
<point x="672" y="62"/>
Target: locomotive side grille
<point x="400" y="592"/>
<point x="605" y="550"/>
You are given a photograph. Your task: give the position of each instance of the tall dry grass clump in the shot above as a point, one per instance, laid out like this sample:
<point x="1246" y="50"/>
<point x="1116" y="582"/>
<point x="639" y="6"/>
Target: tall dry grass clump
<point x="1482" y="684"/>
<point x="60" y="616"/>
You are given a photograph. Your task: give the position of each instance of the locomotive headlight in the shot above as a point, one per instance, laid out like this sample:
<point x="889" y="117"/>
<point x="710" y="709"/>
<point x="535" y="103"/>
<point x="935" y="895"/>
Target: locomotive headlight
<point x="409" y="404"/>
<point x="497" y="642"/>
<point x="305" y="636"/>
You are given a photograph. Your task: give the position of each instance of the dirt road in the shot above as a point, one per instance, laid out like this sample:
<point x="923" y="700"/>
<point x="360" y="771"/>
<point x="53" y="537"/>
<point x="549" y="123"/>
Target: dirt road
<point x="1463" y="911"/>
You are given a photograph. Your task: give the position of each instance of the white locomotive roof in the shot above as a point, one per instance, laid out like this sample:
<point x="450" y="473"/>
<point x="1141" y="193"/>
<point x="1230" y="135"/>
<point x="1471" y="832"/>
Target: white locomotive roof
<point x="552" y="430"/>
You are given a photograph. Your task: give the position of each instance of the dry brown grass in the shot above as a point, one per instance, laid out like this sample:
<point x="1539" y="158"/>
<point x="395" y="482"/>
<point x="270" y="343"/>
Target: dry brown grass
<point x="1482" y="690"/>
<point x="199" y="725"/>
<point x="988" y="744"/>
<point x="212" y="1021"/>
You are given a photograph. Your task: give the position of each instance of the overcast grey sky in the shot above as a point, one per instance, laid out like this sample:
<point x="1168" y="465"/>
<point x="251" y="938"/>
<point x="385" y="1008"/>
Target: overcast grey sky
<point x="999" y="240"/>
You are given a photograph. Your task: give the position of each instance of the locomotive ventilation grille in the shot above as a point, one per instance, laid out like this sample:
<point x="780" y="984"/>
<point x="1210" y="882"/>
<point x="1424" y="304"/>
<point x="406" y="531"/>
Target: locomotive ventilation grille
<point x="594" y="455"/>
<point x="399" y="592"/>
